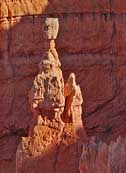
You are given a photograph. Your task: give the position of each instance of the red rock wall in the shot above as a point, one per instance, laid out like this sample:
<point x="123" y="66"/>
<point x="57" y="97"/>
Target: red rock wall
<point x="91" y="43"/>
<point x="103" y="158"/>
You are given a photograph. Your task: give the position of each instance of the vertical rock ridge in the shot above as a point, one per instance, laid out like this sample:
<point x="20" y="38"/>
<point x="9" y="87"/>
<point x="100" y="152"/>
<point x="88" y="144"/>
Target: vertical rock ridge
<point x="100" y="157"/>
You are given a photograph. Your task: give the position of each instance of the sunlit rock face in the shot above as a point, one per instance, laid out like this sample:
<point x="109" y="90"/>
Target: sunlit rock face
<point x="91" y="43"/>
<point x="56" y="130"/>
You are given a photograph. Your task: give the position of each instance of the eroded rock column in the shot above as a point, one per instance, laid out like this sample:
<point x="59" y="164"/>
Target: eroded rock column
<point x="56" y="132"/>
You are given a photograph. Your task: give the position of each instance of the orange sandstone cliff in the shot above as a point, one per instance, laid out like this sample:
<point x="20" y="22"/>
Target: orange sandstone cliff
<point x="91" y="43"/>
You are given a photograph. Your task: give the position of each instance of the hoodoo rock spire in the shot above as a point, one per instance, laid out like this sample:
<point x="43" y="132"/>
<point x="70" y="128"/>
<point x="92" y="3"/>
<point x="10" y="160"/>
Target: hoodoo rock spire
<point x="56" y="132"/>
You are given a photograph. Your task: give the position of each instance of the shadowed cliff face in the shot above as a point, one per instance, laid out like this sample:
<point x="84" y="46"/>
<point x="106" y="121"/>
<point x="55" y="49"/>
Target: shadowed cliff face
<point x="91" y="43"/>
<point x="102" y="158"/>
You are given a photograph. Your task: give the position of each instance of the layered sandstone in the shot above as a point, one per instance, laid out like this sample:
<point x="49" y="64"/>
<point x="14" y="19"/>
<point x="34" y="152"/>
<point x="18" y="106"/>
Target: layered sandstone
<point x="94" y="47"/>
<point x="21" y="7"/>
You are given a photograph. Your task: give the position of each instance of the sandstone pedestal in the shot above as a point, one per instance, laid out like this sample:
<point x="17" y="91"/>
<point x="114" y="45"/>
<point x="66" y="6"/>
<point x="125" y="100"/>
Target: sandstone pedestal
<point x="56" y="132"/>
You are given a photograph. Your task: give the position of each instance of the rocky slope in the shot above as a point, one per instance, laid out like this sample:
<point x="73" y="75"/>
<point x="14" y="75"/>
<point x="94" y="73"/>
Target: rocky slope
<point x="94" y="49"/>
